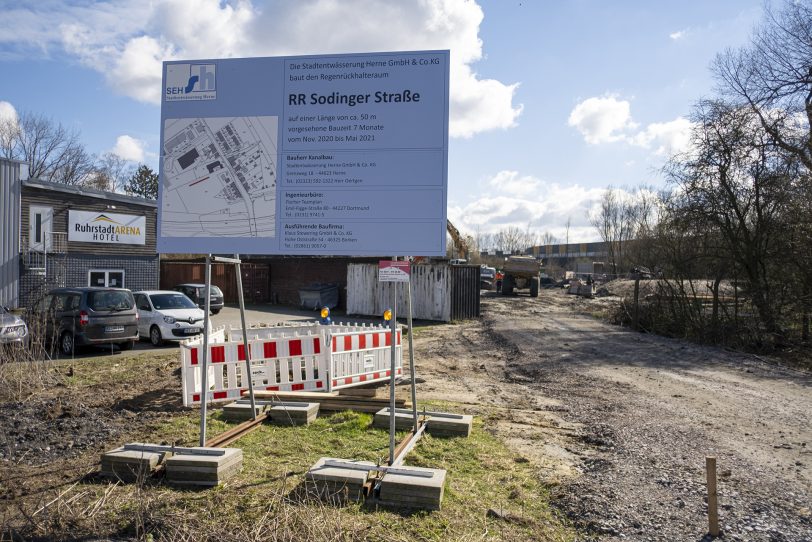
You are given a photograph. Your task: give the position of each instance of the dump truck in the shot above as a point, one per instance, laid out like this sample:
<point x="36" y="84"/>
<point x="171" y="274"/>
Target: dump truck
<point x="521" y="272"/>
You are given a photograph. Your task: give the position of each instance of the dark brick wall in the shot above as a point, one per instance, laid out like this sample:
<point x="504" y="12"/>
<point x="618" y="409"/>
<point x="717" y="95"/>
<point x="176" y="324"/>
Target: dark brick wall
<point x="289" y="275"/>
<point x="140" y="273"/>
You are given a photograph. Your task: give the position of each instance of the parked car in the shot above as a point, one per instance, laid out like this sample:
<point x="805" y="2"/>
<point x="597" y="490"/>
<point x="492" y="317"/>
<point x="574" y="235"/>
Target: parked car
<point x="12" y="328"/>
<point x="197" y="293"/>
<point x="74" y="317"/>
<point x="167" y="315"/>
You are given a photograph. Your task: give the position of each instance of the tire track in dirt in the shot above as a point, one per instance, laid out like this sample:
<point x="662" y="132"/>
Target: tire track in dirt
<point x="650" y="409"/>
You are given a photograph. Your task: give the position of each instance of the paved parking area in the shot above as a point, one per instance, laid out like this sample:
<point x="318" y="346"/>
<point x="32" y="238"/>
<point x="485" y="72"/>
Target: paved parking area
<point x="230" y="316"/>
<point x="275" y="314"/>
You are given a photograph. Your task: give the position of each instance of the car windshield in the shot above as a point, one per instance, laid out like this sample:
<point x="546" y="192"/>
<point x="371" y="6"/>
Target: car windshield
<point x="110" y="300"/>
<point x="214" y="291"/>
<point x="171" y="301"/>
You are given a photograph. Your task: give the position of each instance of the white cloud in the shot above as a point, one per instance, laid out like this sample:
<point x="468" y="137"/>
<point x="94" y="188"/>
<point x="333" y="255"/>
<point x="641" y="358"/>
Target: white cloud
<point x="129" y="148"/>
<point x="668" y="137"/>
<point x="127" y="40"/>
<point x="7" y="113"/>
<point x="678" y="35"/>
<point x="608" y="119"/>
<point x="524" y="201"/>
<point x="510" y="182"/>
<point x="602" y="119"/>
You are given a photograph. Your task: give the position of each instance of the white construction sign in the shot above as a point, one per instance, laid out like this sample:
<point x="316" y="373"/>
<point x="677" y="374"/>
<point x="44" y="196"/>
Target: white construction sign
<point x="317" y="155"/>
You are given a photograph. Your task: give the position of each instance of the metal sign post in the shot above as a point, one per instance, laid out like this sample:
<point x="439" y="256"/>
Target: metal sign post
<point x="247" y="350"/>
<point x="392" y="367"/>
<point x="204" y="384"/>
<point x="204" y="380"/>
<point x="394" y="272"/>
<point x="411" y="352"/>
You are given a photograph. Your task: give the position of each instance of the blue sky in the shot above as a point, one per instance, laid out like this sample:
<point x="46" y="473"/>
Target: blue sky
<point x="550" y="101"/>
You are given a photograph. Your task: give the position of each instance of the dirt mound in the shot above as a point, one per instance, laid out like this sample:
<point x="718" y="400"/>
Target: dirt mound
<point x="625" y="287"/>
<point x="39" y="430"/>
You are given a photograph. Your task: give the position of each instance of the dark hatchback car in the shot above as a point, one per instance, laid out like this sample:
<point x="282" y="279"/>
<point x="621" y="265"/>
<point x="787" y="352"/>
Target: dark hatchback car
<point x="74" y="317"/>
<point x="197" y="293"/>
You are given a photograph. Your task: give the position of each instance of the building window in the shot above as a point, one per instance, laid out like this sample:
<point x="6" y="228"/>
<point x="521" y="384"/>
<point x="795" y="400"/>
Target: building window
<point x="109" y="278"/>
<point x="39" y="227"/>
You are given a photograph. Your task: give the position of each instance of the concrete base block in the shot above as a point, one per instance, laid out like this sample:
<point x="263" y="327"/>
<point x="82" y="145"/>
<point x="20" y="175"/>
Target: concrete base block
<point x="204" y="470"/>
<point x="456" y="426"/>
<point x="403" y="421"/>
<point x="129" y="465"/>
<point x="405" y="491"/>
<point x="337" y="483"/>
<point x="240" y="412"/>
<point x="294" y="414"/>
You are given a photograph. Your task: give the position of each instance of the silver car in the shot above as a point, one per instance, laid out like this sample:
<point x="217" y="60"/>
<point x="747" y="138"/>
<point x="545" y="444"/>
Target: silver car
<point x="12" y="328"/>
<point x="165" y="315"/>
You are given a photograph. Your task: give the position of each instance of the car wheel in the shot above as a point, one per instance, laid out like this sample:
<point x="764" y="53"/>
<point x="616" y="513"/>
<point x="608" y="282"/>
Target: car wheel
<point x="155" y="336"/>
<point x="126" y="346"/>
<point x="215" y="311"/>
<point x="66" y="344"/>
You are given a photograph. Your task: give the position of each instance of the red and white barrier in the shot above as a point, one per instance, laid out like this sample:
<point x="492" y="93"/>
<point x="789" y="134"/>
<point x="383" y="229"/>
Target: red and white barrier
<point x="289" y="358"/>
<point x="361" y="357"/>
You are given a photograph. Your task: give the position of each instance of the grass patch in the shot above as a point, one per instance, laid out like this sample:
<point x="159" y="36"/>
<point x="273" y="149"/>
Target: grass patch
<point x="483" y="474"/>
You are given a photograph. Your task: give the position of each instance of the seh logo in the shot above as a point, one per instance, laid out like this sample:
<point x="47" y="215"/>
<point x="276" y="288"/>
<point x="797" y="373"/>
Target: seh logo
<point x="191" y="82"/>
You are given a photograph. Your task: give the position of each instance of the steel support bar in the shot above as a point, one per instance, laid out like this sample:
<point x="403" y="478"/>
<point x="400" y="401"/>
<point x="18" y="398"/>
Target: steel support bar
<point x="430" y="413"/>
<point x="236" y="433"/>
<point x="410" y="444"/>
<point x="375" y="468"/>
<point x="204" y="380"/>
<point x="392" y="368"/>
<point x="223" y="259"/>
<point x="411" y="351"/>
<point x="159" y="448"/>
<point x="246" y="348"/>
<point x="270" y="402"/>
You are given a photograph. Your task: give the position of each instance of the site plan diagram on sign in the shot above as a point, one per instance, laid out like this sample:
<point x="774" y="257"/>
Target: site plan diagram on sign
<point x="220" y="177"/>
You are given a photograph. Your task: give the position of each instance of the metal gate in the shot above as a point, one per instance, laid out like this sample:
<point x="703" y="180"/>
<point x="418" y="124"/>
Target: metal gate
<point x="464" y="292"/>
<point x="255" y="279"/>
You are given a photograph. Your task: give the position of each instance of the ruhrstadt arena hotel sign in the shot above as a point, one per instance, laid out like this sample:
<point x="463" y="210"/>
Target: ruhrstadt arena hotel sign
<point x="117" y="229"/>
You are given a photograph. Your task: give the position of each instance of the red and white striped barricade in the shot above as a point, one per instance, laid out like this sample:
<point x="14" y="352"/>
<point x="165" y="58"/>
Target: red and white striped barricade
<point x="291" y="361"/>
<point x="298" y="357"/>
<point x="362" y="355"/>
<point x="273" y="331"/>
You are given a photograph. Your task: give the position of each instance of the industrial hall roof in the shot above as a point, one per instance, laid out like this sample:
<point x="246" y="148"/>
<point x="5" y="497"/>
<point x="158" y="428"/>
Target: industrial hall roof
<point x="89" y="192"/>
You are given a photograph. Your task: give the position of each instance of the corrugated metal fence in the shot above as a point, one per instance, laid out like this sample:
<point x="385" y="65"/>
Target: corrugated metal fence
<point x="464" y="291"/>
<point x="440" y="292"/>
<point x="9" y="233"/>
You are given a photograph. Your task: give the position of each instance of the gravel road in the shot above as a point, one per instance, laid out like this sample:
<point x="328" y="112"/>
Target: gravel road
<point x="623" y="421"/>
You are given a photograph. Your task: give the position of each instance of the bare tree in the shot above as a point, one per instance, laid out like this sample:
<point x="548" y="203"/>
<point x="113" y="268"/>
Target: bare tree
<point x="510" y="239"/>
<point x="110" y="172"/>
<point x="773" y="77"/>
<point x="734" y="191"/>
<point x="548" y="238"/>
<point x="605" y="220"/>
<point x="53" y="152"/>
<point x="566" y="258"/>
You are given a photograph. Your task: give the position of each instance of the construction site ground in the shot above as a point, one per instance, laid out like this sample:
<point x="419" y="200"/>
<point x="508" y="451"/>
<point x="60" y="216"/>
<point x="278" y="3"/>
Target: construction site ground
<point x="623" y="421"/>
<point x="584" y="431"/>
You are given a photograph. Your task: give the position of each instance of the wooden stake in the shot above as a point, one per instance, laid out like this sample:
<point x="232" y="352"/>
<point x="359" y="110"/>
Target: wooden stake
<point x="713" y="510"/>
